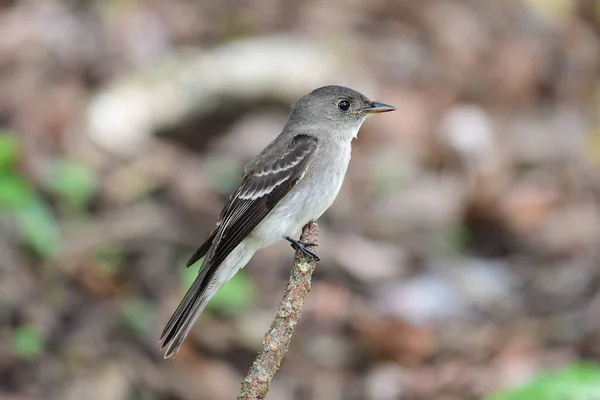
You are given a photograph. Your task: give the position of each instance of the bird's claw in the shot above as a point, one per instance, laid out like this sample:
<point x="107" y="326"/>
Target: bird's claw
<point x="302" y="246"/>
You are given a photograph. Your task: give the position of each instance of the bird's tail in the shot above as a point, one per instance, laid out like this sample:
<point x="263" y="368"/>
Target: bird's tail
<point x="198" y="295"/>
<point x="184" y="317"/>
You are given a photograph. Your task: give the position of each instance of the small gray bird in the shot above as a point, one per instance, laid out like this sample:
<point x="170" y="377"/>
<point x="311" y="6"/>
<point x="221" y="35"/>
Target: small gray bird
<point x="292" y="182"/>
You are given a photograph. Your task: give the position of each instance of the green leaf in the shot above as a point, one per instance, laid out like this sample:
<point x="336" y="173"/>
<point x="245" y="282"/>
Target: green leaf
<point x="27" y="342"/>
<point x="577" y="382"/>
<point x="38" y="228"/>
<point x="235" y="297"/>
<point x="73" y="182"/>
<point x="15" y="192"/>
<point x="9" y="150"/>
<point x="37" y="225"/>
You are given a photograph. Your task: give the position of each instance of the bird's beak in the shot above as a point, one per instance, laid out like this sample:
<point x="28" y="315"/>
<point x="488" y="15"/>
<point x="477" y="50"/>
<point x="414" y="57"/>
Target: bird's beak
<point x="377" y="108"/>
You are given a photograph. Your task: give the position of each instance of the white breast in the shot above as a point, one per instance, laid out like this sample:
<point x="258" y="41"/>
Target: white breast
<point x="309" y="199"/>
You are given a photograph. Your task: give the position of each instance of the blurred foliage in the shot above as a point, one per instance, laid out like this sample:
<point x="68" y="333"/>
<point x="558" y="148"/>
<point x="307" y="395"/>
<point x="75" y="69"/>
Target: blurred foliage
<point x="9" y="150"/>
<point x="235" y="297"/>
<point x="577" y="382"/>
<point x="72" y="182"/>
<point x="38" y="226"/>
<point x="27" y="342"/>
<point x="110" y="258"/>
<point x="138" y="315"/>
<point x="189" y="274"/>
<point x="454" y="239"/>
<point x="18" y="199"/>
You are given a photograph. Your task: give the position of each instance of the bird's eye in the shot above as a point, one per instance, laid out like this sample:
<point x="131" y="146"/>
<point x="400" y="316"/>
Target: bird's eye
<point x="343" y="105"/>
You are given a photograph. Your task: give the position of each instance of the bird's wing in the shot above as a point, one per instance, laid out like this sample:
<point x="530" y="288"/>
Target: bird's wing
<point x="261" y="189"/>
<point x="259" y="192"/>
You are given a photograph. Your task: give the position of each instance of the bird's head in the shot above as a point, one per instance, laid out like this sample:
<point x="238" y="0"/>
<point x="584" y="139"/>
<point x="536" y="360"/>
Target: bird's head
<point x="336" y="107"/>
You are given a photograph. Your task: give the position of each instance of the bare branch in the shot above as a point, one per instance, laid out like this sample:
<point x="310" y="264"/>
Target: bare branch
<point x="277" y="339"/>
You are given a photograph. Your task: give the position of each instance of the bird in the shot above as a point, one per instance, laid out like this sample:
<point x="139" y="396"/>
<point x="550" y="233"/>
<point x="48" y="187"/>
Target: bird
<point x="292" y="182"/>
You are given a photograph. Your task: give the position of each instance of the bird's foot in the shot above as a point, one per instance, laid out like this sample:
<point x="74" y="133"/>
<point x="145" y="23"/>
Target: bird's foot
<point x="302" y="246"/>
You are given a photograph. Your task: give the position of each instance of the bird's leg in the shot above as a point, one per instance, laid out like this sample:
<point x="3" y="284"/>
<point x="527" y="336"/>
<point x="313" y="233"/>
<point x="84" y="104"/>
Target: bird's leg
<point x="302" y="246"/>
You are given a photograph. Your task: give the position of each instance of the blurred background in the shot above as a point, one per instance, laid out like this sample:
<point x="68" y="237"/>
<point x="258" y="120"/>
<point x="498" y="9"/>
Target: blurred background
<point x="461" y="259"/>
